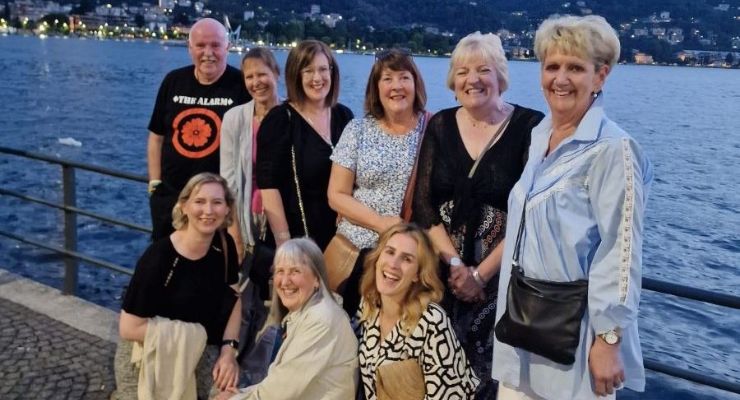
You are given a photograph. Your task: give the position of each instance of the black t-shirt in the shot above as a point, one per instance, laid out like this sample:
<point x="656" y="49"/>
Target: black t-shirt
<point x="195" y="289"/>
<point x="188" y="115"/>
<point x="283" y="128"/>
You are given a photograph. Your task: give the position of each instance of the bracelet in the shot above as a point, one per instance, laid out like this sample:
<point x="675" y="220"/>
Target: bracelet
<point x="284" y="235"/>
<point x="477" y="278"/>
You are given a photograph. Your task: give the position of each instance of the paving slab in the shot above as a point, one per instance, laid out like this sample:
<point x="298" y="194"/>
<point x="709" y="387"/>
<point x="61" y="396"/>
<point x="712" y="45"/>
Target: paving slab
<point x="53" y="346"/>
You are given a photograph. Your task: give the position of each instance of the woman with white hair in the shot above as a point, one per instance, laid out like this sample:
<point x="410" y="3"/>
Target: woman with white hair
<point x="318" y="356"/>
<point x="575" y="233"/>
<point x="470" y="158"/>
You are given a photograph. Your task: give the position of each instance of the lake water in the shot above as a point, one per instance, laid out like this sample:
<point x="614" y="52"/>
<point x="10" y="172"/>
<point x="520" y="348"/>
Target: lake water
<point x="101" y="94"/>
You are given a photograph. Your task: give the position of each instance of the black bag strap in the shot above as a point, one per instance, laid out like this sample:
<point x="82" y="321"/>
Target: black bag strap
<point x="517" y="243"/>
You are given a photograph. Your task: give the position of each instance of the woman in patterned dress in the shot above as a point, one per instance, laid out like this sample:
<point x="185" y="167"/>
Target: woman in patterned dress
<point x="374" y="158"/>
<point x="464" y="207"/>
<point x="401" y="318"/>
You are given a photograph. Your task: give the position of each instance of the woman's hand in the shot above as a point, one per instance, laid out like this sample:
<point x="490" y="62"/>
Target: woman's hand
<point x="226" y="370"/>
<point x="606" y="367"/>
<point x="387" y="221"/>
<point x="464" y="286"/>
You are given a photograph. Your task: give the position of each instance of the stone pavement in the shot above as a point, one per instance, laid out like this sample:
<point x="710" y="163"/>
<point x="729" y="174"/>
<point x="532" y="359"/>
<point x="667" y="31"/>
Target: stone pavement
<point x="53" y="346"/>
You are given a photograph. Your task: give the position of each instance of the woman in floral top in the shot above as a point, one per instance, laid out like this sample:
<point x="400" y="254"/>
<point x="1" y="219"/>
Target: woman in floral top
<point x="375" y="156"/>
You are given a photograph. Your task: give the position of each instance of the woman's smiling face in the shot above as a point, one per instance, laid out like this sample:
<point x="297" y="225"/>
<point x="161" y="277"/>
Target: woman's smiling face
<point x="397" y="268"/>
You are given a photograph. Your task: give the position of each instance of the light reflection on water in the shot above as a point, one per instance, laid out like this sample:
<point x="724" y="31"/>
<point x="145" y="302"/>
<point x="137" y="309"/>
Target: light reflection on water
<point x="101" y="94"/>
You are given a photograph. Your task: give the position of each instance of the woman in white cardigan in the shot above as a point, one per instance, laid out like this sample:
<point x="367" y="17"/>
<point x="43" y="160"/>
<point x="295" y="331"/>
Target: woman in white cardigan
<point x="238" y="149"/>
<point x="318" y="357"/>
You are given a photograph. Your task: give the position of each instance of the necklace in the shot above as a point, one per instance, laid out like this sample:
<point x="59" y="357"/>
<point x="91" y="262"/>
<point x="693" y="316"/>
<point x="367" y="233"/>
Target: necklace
<point x="325" y="133"/>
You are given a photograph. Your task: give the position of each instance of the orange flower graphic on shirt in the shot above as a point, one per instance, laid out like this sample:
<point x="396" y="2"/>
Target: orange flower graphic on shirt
<point x="196" y="132"/>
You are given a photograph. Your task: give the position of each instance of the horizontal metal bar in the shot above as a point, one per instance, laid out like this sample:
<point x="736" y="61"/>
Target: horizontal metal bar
<point x="76" y="164"/>
<point x="75" y="254"/>
<point x="693" y="376"/>
<point x="707" y="296"/>
<point x="77" y="210"/>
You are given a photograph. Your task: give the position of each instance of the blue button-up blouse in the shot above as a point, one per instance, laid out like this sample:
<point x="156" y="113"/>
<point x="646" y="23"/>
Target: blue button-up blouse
<point x="585" y="204"/>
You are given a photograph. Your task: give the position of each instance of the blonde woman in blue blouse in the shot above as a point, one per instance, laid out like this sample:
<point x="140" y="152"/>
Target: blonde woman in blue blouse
<point x="585" y="187"/>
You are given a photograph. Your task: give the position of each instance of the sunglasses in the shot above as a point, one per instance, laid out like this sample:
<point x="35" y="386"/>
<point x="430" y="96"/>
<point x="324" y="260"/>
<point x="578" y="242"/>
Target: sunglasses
<point x="382" y="55"/>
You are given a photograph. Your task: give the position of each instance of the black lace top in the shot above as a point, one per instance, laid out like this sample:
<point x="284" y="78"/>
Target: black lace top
<point x="472" y="210"/>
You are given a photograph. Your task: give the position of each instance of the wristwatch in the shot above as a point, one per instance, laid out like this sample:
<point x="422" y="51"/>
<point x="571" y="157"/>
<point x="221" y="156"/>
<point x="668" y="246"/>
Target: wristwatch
<point x="231" y="343"/>
<point x="611" y="336"/>
<point x="456" y="262"/>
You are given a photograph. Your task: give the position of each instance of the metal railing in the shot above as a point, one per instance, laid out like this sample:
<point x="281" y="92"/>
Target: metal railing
<point x="72" y="256"/>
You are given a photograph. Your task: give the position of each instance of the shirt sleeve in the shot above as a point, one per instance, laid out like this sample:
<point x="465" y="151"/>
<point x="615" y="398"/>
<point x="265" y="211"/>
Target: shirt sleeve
<point x="619" y="179"/>
<point x="228" y="151"/>
<point x="156" y="121"/>
<point x="447" y="373"/>
<point x="345" y="153"/>
<point x="424" y="212"/>
<point x="273" y="149"/>
<point x="146" y="285"/>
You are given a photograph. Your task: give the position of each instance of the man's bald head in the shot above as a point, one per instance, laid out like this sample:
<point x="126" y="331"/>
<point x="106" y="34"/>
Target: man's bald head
<point x="208" y="48"/>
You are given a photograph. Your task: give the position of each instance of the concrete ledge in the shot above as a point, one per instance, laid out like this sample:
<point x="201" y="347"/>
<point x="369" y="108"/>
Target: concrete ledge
<point x="73" y="311"/>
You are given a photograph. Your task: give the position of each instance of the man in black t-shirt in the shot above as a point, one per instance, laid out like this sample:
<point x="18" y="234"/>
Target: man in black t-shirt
<point x="184" y="130"/>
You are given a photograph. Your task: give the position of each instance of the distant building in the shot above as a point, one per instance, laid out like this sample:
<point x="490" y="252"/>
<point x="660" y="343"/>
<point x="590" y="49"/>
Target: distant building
<point x="248" y="15"/>
<point x="658" y="32"/>
<point x="331" y="20"/>
<point x="315" y="9"/>
<point x="638" y="32"/>
<point x="431" y="30"/>
<point x="722" y="7"/>
<point x="642" y="58"/>
<point x="167" y="4"/>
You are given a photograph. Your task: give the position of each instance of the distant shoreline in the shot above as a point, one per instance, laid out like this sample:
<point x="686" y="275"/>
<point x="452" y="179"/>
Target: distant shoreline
<point x="183" y="43"/>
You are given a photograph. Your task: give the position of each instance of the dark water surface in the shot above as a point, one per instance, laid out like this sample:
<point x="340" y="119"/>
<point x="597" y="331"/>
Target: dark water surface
<point x="100" y="93"/>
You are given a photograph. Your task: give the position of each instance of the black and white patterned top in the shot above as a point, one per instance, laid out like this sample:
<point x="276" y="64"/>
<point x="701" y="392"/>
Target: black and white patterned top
<point x="447" y="373"/>
<point x="382" y="163"/>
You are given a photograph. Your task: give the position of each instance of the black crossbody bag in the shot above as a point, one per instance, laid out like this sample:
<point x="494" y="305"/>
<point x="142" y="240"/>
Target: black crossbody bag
<point x="542" y="317"/>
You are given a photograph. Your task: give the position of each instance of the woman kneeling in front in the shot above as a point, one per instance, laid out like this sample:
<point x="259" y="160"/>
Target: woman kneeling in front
<point x="180" y="317"/>
<point x="408" y="349"/>
<point x="318" y="357"/>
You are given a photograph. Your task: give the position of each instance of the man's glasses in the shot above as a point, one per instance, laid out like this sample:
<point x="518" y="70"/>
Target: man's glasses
<point x="382" y="55"/>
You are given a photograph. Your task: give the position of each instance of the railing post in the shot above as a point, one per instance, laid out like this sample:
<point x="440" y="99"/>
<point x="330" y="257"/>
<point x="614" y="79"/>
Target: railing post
<point x="70" y="229"/>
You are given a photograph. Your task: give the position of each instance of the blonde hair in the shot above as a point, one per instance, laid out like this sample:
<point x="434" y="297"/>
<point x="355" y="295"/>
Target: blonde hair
<point x="180" y="220"/>
<point x="589" y="37"/>
<point x="301" y="251"/>
<point x="489" y="48"/>
<point x="426" y="290"/>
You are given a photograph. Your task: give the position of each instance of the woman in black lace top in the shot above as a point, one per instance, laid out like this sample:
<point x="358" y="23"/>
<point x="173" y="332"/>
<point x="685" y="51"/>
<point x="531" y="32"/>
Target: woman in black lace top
<point x="462" y="201"/>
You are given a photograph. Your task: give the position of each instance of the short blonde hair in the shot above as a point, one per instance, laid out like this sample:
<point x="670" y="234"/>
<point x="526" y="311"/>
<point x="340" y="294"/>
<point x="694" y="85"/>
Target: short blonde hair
<point x="589" y="37"/>
<point x="180" y="220"/>
<point x="427" y="289"/>
<point x="489" y="48"/>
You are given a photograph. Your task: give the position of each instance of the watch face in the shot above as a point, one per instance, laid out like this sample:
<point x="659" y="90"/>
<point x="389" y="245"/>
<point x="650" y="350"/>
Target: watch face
<point x="610" y="337"/>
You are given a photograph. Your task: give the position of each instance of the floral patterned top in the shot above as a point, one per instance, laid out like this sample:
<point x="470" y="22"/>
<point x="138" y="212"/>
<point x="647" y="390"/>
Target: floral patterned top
<point x="382" y="163"/>
<point x="447" y="373"/>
